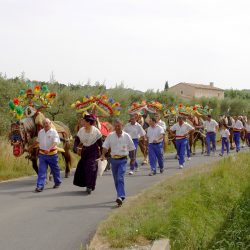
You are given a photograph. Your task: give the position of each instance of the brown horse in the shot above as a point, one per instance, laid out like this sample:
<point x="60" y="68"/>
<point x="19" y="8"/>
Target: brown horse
<point x="22" y="137"/>
<point x="197" y="135"/>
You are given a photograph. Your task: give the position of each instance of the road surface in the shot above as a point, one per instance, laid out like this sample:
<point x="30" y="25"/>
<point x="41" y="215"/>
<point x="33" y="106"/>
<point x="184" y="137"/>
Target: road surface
<point x="65" y="218"/>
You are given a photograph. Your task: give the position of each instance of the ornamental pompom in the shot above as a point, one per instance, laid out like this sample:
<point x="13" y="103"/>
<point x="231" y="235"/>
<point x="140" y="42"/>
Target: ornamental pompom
<point x="11" y="105"/>
<point x="19" y="110"/>
<point x="21" y="92"/>
<point x="16" y="101"/>
<point x="37" y="89"/>
<point x="45" y="89"/>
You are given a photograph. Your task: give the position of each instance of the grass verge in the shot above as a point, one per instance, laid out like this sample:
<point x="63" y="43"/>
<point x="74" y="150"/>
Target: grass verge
<point x="202" y="208"/>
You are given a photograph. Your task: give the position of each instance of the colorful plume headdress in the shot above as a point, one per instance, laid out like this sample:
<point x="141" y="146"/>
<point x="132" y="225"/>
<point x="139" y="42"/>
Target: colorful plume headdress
<point x="100" y="106"/>
<point x="199" y="110"/>
<point x="37" y="98"/>
<point x="141" y="107"/>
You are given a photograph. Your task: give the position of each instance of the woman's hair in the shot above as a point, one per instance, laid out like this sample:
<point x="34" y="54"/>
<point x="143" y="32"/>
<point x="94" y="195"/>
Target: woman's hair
<point x="90" y="119"/>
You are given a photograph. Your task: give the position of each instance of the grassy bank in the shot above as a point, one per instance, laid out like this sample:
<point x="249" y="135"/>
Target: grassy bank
<point x="202" y="208"/>
<point x="12" y="167"/>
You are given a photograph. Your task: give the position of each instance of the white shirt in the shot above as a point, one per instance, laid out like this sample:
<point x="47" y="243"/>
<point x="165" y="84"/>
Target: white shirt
<point x="153" y="133"/>
<point x="210" y="126"/>
<point x="247" y="126"/>
<point x="46" y="139"/>
<point x="238" y="125"/>
<point x="182" y="130"/>
<point x="88" y="139"/>
<point x="224" y="133"/>
<point x="162" y="124"/>
<point x="119" y="145"/>
<point x="135" y="131"/>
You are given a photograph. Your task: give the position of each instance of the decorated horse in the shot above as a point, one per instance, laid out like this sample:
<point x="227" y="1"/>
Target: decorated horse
<point x="26" y="109"/>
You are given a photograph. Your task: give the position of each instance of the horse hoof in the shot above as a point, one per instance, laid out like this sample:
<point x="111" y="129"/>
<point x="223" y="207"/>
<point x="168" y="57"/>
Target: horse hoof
<point x="67" y="175"/>
<point x="50" y="178"/>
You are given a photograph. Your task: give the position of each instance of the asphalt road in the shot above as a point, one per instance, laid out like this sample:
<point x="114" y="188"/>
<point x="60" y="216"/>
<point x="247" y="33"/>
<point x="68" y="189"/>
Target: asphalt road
<point x="65" y="218"/>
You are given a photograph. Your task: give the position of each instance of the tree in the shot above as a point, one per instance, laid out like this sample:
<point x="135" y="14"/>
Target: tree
<point x="166" y="86"/>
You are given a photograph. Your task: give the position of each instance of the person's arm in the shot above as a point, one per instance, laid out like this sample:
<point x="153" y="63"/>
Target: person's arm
<point x="99" y="143"/>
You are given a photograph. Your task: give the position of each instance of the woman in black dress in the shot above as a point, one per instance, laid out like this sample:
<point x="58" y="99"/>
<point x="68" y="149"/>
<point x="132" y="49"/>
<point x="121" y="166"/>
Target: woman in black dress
<point x="91" y="139"/>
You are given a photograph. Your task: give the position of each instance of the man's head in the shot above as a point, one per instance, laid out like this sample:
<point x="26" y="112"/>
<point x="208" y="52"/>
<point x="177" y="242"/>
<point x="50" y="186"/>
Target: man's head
<point x="209" y="117"/>
<point x="157" y="117"/>
<point x="118" y="126"/>
<point x="132" y="118"/>
<point x="180" y="119"/>
<point x="152" y="122"/>
<point x="47" y="124"/>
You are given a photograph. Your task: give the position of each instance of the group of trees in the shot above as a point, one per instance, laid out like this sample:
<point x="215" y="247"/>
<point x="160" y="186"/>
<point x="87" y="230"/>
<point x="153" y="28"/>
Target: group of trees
<point x="235" y="102"/>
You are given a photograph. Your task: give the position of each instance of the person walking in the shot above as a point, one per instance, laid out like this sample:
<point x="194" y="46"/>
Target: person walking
<point x="121" y="144"/>
<point x="237" y="128"/>
<point x="135" y="130"/>
<point x="224" y="139"/>
<point x="247" y="129"/>
<point x="90" y="138"/>
<point x="48" y="139"/>
<point x="211" y="127"/>
<point x="182" y="130"/>
<point x="155" y="135"/>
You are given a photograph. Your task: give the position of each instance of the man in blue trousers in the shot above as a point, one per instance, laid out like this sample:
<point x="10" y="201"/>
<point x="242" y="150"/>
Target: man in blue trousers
<point x="182" y="129"/>
<point x="121" y="144"/>
<point x="155" y="134"/>
<point x="48" y="139"/>
<point x="237" y="128"/>
<point x="135" y="130"/>
<point x="211" y="127"/>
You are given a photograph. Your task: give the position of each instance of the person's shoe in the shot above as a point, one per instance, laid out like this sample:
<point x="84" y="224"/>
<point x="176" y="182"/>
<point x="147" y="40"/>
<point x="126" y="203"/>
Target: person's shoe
<point x="38" y="190"/>
<point x="152" y="173"/>
<point x="89" y="190"/>
<point x="119" y="201"/>
<point x="220" y="154"/>
<point x="123" y="198"/>
<point x="56" y="186"/>
<point x="189" y="158"/>
<point x="181" y="167"/>
<point x="161" y="170"/>
<point x="131" y="172"/>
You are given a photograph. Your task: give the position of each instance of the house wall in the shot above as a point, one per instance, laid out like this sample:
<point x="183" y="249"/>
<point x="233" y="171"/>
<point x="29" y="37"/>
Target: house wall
<point x="189" y="92"/>
<point x="182" y="90"/>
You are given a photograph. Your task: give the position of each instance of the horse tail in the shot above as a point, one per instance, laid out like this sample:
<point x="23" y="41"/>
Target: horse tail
<point x="67" y="155"/>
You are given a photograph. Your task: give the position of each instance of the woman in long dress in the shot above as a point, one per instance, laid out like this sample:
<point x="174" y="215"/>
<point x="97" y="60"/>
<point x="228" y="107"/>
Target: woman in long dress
<point x="86" y="170"/>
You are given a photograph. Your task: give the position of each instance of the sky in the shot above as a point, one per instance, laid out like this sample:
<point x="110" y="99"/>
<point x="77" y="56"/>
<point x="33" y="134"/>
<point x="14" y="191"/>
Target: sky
<point x="142" y="43"/>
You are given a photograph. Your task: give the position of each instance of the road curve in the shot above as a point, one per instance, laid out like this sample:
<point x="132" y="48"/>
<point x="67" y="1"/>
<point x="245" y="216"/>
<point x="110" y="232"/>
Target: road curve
<point x="65" y="218"/>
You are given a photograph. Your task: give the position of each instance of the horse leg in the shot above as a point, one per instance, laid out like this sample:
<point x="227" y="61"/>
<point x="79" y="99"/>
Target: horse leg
<point x="67" y="158"/>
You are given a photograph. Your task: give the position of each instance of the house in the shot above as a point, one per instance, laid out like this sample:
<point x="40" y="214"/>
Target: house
<point x="191" y="90"/>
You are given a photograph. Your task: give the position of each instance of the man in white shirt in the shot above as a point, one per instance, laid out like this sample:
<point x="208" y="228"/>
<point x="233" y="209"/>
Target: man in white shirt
<point x="48" y="139"/>
<point x="160" y="122"/>
<point x="121" y="145"/>
<point x="237" y="128"/>
<point x="135" y="130"/>
<point x="155" y="135"/>
<point x="211" y="127"/>
<point x="182" y="129"/>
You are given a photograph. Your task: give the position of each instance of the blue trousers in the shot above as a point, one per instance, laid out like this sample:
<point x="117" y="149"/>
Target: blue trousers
<point x="118" y="170"/>
<point x="181" y="145"/>
<point x="237" y="140"/>
<point x="132" y="167"/>
<point x="248" y="139"/>
<point x="224" y="142"/>
<point x="44" y="161"/>
<point x="155" y="153"/>
<point x="188" y="150"/>
<point x="210" y="137"/>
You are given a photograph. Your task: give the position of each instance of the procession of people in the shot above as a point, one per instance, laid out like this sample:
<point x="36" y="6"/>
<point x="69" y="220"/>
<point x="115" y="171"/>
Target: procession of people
<point x="145" y="129"/>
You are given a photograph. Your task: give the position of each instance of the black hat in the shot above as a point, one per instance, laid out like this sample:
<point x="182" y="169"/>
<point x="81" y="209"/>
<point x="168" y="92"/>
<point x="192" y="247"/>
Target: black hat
<point x="89" y="118"/>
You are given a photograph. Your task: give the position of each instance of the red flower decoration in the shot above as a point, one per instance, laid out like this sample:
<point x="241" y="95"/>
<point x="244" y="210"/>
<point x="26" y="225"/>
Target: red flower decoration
<point x="195" y="108"/>
<point x="16" y="101"/>
<point x="180" y="105"/>
<point x="37" y="88"/>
